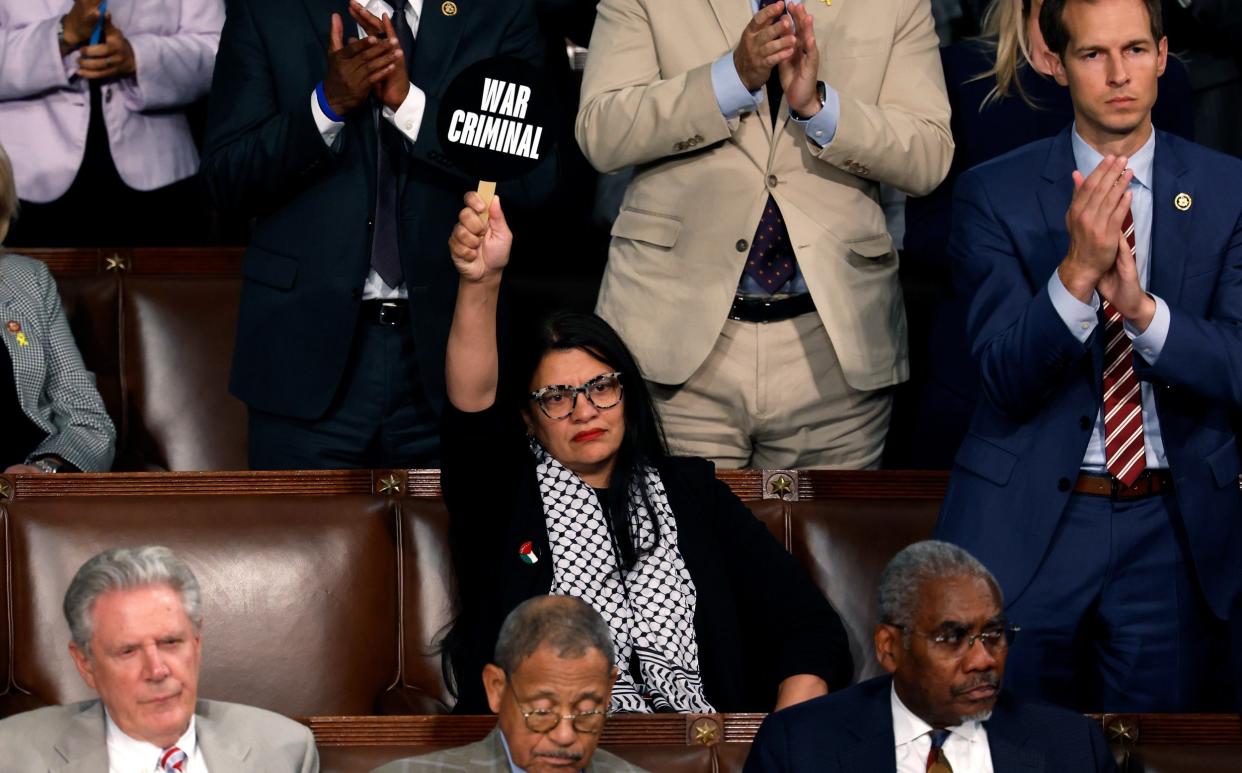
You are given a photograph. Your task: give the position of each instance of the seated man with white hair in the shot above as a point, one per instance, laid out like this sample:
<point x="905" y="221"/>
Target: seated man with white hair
<point x="135" y="616"/>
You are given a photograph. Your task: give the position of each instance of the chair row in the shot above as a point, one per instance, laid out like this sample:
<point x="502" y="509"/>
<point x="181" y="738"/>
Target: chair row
<point x="325" y="592"/>
<point x="346" y="575"/>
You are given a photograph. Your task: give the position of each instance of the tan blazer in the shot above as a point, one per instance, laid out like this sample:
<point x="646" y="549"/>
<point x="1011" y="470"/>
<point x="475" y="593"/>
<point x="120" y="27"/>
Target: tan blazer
<point x="233" y="738"/>
<point x="701" y="182"/>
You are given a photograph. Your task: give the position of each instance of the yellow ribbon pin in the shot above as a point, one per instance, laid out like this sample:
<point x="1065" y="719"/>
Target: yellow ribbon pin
<point x="21" y="340"/>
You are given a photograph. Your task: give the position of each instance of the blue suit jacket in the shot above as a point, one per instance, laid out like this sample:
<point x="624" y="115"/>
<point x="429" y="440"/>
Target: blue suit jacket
<point x="852" y="730"/>
<point x="1040" y="387"/>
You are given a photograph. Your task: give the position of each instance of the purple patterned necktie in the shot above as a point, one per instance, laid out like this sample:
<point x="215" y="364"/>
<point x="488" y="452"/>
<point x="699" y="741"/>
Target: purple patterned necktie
<point x="771" y="260"/>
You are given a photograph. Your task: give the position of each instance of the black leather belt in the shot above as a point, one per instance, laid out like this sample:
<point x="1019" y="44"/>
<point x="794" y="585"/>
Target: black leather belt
<point x="390" y="312"/>
<point x="756" y="310"/>
<point x="1149" y="484"/>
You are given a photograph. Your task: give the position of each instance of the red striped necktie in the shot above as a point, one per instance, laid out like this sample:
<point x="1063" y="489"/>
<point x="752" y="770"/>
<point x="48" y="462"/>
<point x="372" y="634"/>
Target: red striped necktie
<point x="173" y="760"/>
<point x="1124" y="449"/>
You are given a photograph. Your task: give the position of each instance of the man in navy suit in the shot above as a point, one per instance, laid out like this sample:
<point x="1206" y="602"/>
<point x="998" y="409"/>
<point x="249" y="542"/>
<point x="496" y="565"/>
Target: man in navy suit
<point x="1099" y="479"/>
<point x="943" y="637"/>
<point x="347" y="286"/>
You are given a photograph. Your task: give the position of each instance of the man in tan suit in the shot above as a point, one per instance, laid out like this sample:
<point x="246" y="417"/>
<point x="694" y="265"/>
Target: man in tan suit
<point x="550" y="685"/>
<point x="135" y="619"/>
<point x="750" y="266"/>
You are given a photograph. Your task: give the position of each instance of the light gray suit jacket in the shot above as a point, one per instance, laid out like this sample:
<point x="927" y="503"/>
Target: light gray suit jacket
<point x="233" y="738"/>
<point x="54" y="388"/>
<point x="488" y="756"/>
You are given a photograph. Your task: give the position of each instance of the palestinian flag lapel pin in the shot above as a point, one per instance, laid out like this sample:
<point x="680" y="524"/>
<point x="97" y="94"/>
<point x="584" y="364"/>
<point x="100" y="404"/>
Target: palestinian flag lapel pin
<point x="527" y="553"/>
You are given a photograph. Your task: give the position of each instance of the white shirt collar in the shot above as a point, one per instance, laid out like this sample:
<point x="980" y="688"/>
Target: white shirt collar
<point x="126" y="753"/>
<point x="909" y="727"/>
<point x="1087" y="158"/>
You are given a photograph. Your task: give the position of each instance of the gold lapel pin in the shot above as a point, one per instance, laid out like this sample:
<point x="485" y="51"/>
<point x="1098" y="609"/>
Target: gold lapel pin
<point x="1183" y="201"/>
<point x="14" y="326"/>
<point x="826" y="2"/>
<point x="448" y="8"/>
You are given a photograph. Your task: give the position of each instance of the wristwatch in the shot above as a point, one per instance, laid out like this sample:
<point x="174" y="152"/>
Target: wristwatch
<point x="821" y="91"/>
<point x="48" y="464"/>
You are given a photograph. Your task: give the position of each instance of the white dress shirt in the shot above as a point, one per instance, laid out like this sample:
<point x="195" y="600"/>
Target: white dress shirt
<point x="408" y="118"/>
<point x="127" y="755"/>
<point x="1082" y="318"/>
<point x="966" y="748"/>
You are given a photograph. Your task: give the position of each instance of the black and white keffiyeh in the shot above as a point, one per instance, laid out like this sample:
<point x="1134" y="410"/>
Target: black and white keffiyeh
<point x="649" y="608"/>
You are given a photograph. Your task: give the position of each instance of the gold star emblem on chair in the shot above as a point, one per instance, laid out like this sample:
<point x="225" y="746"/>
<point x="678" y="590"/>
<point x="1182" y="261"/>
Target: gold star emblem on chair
<point x="390" y="485"/>
<point x="706" y="731"/>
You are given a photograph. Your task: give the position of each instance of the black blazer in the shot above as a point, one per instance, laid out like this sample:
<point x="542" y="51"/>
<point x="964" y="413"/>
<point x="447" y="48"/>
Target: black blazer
<point x="758" y="619"/>
<point x="852" y="731"/>
<point x="310" y="252"/>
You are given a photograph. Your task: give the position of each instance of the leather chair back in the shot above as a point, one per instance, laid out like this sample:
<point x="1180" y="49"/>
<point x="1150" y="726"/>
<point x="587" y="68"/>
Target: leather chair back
<point x="300" y="594"/>
<point x="178" y="348"/>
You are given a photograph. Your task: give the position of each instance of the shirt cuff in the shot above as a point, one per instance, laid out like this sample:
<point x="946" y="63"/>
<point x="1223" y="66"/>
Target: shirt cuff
<point x="731" y="95"/>
<point x="328" y="129"/>
<point x="1081" y="318"/>
<point x="408" y="117"/>
<point x="822" y="127"/>
<point x="1150" y="343"/>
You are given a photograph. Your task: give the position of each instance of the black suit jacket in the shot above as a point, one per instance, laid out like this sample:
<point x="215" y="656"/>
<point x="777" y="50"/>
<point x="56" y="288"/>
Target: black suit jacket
<point x="313" y="205"/>
<point x="758" y="617"/>
<point x="852" y="731"/>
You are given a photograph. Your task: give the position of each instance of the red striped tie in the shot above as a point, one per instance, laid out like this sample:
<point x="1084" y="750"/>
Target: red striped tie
<point x="1123" y="399"/>
<point x="172" y="760"/>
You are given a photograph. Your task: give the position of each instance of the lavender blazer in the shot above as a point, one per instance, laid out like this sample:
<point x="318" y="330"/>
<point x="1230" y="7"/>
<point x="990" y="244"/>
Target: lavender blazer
<point x="45" y="106"/>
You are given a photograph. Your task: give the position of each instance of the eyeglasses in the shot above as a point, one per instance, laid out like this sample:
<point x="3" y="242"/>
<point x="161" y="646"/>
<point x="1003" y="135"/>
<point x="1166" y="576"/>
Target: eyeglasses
<point x="956" y="642"/>
<point x="546" y="720"/>
<point x="558" y="401"/>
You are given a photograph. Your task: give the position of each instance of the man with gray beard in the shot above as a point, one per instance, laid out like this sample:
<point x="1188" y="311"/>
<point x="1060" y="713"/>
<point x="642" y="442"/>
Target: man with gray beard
<point x="943" y="638"/>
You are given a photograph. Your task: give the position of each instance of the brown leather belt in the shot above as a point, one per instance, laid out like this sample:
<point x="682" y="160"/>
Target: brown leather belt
<point x="1151" y="483"/>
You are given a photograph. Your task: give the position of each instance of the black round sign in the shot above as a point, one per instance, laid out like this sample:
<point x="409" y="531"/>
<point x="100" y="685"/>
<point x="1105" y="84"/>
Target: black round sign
<point x="496" y="119"/>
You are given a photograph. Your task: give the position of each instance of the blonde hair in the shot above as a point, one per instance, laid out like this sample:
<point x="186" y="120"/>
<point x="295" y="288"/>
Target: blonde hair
<point x="1004" y="30"/>
<point x="8" y="194"/>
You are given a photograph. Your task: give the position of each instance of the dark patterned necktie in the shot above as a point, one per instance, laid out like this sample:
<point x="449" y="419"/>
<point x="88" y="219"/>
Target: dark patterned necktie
<point x="936" y="761"/>
<point x="771" y="260"/>
<point x="385" y="250"/>
<point x="1124" y="449"/>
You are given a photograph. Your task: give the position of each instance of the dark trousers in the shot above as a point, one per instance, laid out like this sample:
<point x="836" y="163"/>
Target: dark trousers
<point x="1114" y="619"/>
<point x="380" y="417"/>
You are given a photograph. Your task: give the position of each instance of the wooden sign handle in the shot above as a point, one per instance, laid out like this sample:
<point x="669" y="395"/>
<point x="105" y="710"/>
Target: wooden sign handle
<point x="487" y="191"/>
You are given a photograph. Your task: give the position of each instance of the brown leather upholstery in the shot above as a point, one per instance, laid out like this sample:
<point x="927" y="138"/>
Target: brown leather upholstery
<point x="426" y="601"/>
<point x="844" y="544"/>
<point x="300" y="593"/>
<point x="178" y="337"/>
<point x="156" y="326"/>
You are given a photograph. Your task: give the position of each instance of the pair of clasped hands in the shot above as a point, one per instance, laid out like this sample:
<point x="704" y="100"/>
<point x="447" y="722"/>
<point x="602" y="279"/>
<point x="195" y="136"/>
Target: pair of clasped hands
<point x="358" y="67"/>
<point x="111" y="58"/>
<point x="1099" y="258"/>
<point x="774" y="38"/>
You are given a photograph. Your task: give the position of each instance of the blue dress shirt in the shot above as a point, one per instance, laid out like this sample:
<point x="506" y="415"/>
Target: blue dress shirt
<point x="1082" y="318"/>
<point x="734" y="98"/>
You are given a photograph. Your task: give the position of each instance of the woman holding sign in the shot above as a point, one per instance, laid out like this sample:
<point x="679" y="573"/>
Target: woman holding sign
<point x="562" y="484"/>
